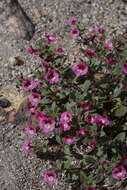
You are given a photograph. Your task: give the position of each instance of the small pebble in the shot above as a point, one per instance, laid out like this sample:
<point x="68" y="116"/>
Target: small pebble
<point x="4" y="103"/>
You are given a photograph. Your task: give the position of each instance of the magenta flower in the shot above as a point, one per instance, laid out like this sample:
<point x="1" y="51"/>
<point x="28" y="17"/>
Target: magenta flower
<point x="30" y="50"/>
<point x="52" y="76"/>
<point x="29" y="84"/>
<point x="73" y="21"/>
<point x="51" y="38"/>
<point x="30" y="108"/>
<point x="34" y="99"/>
<point x="65" y="117"/>
<point x="82" y="132"/>
<point x="90" y="53"/>
<point x="60" y="50"/>
<point x="74" y="33"/>
<point x="68" y="139"/>
<point x="30" y="131"/>
<point x="104" y="162"/>
<point x="80" y="68"/>
<point x="86" y="105"/>
<point x="109" y="46"/>
<point x="65" y="126"/>
<point x="27" y="146"/>
<point x="99" y="120"/>
<point x="90" y="119"/>
<point x="124" y="68"/>
<point x="46" y="64"/>
<point x="91" y="188"/>
<point x="47" y="124"/>
<point x="110" y="60"/>
<point x="98" y="29"/>
<point x="93" y="144"/>
<point x="119" y="172"/>
<point x="124" y="160"/>
<point x="39" y="115"/>
<point x="50" y="177"/>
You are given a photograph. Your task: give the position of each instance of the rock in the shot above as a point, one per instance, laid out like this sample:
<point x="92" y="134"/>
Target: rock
<point x="16" y="61"/>
<point x="12" y="61"/>
<point x="37" y="13"/>
<point x="4" y="103"/>
<point x="18" y="22"/>
<point x="2" y="114"/>
<point x="11" y="93"/>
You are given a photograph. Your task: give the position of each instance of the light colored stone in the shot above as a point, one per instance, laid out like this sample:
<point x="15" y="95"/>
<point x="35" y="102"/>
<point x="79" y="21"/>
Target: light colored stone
<point x="12" y="61"/>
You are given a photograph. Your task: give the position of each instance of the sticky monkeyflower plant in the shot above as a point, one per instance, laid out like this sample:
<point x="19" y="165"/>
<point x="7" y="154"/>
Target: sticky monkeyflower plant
<point x="78" y="111"/>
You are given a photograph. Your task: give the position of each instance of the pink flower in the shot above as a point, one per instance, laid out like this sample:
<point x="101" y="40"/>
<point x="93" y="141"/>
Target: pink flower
<point x="60" y="50"/>
<point x="37" y="58"/>
<point x="65" y="117"/>
<point x="51" y="38"/>
<point x="46" y="64"/>
<point x="124" y="160"/>
<point x="119" y="172"/>
<point x="50" y="177"/>
<point x="65" y="126"/>
<point x="124" y="68"/>
<point x="52" y="76"/>
<point x="30" y="50"/>
<point x="90" y="119"/>
<point x="98" y="29"/>
<point x="110" y="60"/>
<point x="68" y="139"/>
<point x="91" y="188"/>
<point x="82" y="132"/>
<point x="90" y="53"/>
<point x="73" y="21"/>
<point x="27" y="146"/>
<point x="29" y="84"/>
<point x="99" y="120"/>
<point x="74" y="33"/>
<point x="86" y="105"/>
<point x="30" y="131"/>
<point x="80" y="68"/>
<point x="109" y="46"/>
<point x="47" y="124"/>
<point x="34" y="99"/>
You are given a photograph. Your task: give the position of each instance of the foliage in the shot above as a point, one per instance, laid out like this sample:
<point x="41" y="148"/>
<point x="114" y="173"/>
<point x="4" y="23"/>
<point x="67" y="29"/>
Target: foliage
<point x="83" y="107"/>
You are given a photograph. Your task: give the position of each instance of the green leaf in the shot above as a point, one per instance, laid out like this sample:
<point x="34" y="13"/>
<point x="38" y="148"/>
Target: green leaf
<point x="17" y="81"/>
<point x="117" y="70"/>
<point x="100" y="151"/>
<point x="44" y="101"/>
<point x="86" y="85"/>
<point x="114" y="150"/>
<point x="58" y="164"/>
<point x="83" y="176"/>
<point x="124" y="53"/>
<point x="67" y="164"/>
<point x="120" y="111"/>
<point x="70" y="105"/>
<point x="89" y="159"/>
<point x="58" y="139"/>
<point x="117" y="92"/>
<point x="120" y="137"/>
<point x="67" y="150"/>
<point x="98" y="178"/>
<point x="54" y="107"/>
